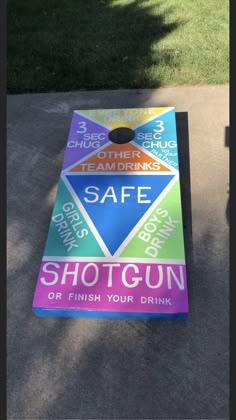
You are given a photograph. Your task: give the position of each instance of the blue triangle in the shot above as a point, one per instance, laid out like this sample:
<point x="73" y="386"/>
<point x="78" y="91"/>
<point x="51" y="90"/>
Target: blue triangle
<point x="115" y="220"/>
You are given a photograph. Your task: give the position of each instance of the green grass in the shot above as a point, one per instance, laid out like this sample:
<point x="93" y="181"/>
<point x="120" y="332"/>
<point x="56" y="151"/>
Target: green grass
<point x="62" y="45"/>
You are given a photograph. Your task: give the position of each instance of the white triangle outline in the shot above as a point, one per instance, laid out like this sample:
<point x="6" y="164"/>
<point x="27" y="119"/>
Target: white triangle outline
<point x="135" y="228"/>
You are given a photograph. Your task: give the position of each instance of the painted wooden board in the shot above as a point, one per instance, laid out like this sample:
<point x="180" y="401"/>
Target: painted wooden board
<point x="115" y="244"/>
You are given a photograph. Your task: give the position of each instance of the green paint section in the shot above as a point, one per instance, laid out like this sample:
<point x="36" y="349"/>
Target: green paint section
<point x="72" y="240"/>
<point x="166" y="241"/>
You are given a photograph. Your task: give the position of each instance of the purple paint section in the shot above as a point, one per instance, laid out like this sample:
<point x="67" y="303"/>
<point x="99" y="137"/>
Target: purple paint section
<point x="112" y="286"/>
<point x="90" y="138"/>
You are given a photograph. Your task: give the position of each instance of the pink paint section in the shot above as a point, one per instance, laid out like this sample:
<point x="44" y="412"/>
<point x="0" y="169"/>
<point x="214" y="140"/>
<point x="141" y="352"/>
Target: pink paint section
<point x="167" y="298"/>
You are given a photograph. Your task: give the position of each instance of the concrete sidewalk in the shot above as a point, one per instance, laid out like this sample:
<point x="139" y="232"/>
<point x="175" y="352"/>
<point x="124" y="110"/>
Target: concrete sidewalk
<point x="115" y="369"/>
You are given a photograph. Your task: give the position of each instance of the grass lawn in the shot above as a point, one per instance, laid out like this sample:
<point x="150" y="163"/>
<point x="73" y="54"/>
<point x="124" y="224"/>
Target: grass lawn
<point x="62" y="45"/>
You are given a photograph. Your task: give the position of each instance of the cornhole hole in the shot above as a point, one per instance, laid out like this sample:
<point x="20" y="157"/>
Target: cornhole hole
<point x="115" y="246"/>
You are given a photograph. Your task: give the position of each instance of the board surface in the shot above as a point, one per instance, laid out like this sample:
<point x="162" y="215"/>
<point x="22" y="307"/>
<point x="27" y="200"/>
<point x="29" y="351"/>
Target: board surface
<point x="115" y="244"/>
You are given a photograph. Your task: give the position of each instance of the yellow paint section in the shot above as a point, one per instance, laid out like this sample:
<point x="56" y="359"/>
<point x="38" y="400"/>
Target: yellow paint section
<point x="126" y="117"/>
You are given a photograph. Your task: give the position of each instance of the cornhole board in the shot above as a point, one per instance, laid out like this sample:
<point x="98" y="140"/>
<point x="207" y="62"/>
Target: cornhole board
<point x="115" y="246"/>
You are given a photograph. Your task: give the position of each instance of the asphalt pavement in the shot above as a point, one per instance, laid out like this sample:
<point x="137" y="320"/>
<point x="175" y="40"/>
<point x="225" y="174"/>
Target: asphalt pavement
<point x="117" y="369"/>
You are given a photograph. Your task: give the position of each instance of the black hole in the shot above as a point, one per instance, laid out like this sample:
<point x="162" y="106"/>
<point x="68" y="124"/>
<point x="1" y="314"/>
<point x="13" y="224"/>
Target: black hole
<point x="121" y="135"/>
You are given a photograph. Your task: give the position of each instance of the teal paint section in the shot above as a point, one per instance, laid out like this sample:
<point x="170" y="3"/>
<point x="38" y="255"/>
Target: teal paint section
<point x="159" y="137"/>
<point x="69" y="234"/>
